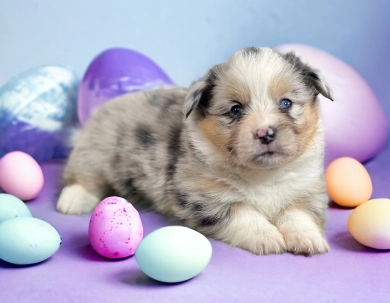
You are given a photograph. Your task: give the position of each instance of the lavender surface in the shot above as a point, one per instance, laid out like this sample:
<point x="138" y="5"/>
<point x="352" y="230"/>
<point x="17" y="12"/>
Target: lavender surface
<point x="76" y="273"/>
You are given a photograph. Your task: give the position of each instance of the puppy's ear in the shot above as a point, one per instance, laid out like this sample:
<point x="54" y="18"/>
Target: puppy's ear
<point x="200" y="95"/>
<point x="194" y="97"/>
<point x="319" y="83"/>
<point x="311" y="77"/>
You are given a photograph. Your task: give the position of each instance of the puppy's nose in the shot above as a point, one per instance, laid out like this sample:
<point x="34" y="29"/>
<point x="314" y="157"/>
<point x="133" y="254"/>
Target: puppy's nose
<point x="266" y="135"/>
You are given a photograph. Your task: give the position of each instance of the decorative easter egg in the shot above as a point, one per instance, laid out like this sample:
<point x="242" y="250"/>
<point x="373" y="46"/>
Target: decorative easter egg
<point x="114" y="72"/>
<point x="348" y="182"/>
<point x="369" y="223"/>
<point x="173" y="254"/>
<point x="36" y="109"/>
<point x="20" y="175"/>
<point x="115" y="228"/>
<point x="12" y="207"/>
<point x="355" y="124"/>
<point x="26" y="240"/>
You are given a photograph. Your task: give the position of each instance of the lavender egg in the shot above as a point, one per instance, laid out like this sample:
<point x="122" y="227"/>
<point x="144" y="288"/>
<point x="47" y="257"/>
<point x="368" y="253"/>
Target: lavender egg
<point x="355" y="125"/>
<point x="114" y="72"/>
<point x="36" y="108"/>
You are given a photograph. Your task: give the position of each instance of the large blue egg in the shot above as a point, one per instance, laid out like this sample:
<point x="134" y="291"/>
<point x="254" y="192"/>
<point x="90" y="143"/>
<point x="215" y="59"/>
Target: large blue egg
<point x="36" y="109"/>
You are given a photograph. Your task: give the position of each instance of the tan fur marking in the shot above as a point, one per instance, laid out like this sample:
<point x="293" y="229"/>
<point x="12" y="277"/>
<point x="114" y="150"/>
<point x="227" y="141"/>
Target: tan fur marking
<point x="310" y="123"/>
<point x="213" y="131"/>
<point x="279" y="87"/>
<point x="233" y="89"/>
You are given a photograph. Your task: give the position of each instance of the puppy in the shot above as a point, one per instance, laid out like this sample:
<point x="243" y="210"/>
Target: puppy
<point x="238" y="156"/>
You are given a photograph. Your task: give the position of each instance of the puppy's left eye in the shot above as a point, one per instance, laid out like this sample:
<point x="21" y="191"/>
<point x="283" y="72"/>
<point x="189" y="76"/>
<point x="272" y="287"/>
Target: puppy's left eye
<point x="285" y="104"/>
<point x="236" y="111"/>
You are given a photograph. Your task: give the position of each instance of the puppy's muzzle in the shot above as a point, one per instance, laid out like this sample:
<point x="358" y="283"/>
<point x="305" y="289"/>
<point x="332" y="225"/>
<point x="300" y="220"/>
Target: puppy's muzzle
<point x="266" y="135"/>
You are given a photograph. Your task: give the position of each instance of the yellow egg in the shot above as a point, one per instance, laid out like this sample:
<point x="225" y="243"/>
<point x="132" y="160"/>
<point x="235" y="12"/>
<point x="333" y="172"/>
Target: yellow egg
<point x="369" y="223"/>
<point x="348" y="182"/>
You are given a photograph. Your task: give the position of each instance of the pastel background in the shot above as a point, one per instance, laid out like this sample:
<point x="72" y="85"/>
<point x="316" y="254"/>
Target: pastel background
<point x="187" y="37"/>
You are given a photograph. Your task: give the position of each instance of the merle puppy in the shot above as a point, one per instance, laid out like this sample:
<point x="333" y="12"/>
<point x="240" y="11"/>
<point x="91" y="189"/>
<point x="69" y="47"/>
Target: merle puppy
<point x="238" y="156"/>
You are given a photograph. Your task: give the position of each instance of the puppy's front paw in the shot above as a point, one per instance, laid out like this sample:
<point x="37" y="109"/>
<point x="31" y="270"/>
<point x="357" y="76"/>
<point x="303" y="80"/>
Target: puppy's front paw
<point x="250" y="230"/>
<point x="264" y="241"/>
<point x="75" y="200"/>
<point x="270" y="241"/>
<point x="301" y="232"/>
<point x="305" y="242"/>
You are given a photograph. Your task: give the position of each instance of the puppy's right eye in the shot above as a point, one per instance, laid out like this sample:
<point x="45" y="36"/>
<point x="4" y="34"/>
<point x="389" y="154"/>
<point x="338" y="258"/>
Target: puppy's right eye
<point x="236" y="111"/>
<point x="285" y="104"/>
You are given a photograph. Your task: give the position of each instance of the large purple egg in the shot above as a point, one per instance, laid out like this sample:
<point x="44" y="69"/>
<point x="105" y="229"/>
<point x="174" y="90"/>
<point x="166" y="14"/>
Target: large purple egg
<point x="114" y="72"/>
<point x="354" y="124"/>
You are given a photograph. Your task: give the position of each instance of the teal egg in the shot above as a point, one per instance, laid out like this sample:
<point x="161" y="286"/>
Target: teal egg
<point x="26" y="240"/>
<point x="173" y="254"/>
<point x="12" y="207"/>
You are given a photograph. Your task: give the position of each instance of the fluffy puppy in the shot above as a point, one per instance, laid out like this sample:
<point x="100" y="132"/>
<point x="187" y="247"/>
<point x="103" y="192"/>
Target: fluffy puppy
<point x="238" y="156"/>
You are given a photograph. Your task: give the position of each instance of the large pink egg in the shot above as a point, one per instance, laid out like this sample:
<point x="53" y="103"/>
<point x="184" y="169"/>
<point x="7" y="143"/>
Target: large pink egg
<point x="115" y="72"/>
<point x="355" y="124"/>
<point x="21" y="175"/>
<point x="115" y="228"/>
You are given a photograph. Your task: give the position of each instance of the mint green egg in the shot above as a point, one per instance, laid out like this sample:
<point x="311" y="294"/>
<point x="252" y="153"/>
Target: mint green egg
<point x="12" y="207"/>
<point x="173" y="254"/>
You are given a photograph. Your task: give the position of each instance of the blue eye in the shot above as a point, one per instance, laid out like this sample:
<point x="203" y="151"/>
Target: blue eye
<point x="285" y="104"/>
<point x="236" y="111"/>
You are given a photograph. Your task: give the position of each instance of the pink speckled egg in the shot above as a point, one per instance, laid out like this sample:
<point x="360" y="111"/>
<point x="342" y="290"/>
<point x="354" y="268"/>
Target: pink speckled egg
<point x="355" y="124"/>
<point x="21" y="175"/>
<point x="115" y="228"/>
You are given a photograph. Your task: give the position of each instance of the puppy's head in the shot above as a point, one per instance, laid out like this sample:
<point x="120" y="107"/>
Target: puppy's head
<point x="259" y="108"/>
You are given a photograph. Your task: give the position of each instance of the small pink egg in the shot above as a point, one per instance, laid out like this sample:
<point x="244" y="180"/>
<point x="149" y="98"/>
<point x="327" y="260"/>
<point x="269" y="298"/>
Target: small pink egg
<point x="115" y="228"/>
<point x="21" y="175"/>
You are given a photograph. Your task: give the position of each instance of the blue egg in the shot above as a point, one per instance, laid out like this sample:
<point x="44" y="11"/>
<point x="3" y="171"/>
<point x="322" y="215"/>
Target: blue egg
<point x="26" y="240"/>
<point x="36" y="109"/>
<point x="12" y="207"/>
<point x="173" y="254"/>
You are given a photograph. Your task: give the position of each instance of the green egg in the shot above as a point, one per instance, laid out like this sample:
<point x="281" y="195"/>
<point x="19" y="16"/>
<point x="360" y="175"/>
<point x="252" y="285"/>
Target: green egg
<point x="173" y="254"/>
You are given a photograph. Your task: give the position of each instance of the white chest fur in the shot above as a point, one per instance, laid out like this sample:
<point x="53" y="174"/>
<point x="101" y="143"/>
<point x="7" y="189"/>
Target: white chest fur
<point x="273" y="190"/>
